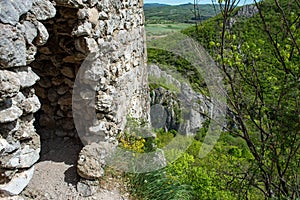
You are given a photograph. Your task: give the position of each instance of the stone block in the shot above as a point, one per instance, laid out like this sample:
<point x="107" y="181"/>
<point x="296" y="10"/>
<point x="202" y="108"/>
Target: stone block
<point x="18" y="182"/>
<point x="43" y="9"/>
<point x="11" y="10"/>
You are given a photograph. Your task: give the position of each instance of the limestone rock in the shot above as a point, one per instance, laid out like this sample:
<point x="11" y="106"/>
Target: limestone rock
<point x="98" y="130"/>
<point x="92" y="160"/>
<point x="158" y="116"/>
<point x="30" y="31"/>
<point x="92" y="3"/>
<point x="83" y="29"/>
<point x="87" y="187"/>
<point x="93" y="73"/>
<point x="17" y="100"/>
<point x="86" y="45"/>
<point x="17" y="183"/>
<point x="9" y="84"/>
<point x="116" y="66"/>
<point x="12" y="47"/>
<point x="247" y="11"/>
<point x="104" y="102"/>
<point x="27" y="77"/>
<point x="165" y="110"/>
<point x="82" y="13"/>
<point x="166" y="106"/>
<point x="31" y="51"/>
<point x="93" y="16"/>
<point x="103" y="15"/>
<point x="10" y="114"/>
<point x="11" y="10"/>
<point x="6" y="147"/>
<point x="8" y="129"/>
<point x="43" y="34"/>
<point x="24" y="157"/>
<point x="43" y="9"/>
<point x="26" y="130"/>
<point x="12" y="198"/>
<point x="6" y="175"/>
<point x="70" y="3"/>
<point x="31" y="104"/>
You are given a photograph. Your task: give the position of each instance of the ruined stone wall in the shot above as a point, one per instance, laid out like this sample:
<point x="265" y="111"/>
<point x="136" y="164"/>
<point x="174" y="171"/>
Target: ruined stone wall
<point x="43" y="45"/>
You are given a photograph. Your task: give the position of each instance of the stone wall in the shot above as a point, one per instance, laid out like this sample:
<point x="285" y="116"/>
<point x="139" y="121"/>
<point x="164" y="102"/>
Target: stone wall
<point x="42" y="47"/>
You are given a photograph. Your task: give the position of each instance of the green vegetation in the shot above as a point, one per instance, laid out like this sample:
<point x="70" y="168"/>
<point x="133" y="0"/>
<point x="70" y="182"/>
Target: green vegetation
<point x="133" y="137"/>
<point x="258" y="154"/>
<point x="157" y="186"/>
<point x="162" y="20"/>
<point x="190" y="177"/>
<point x="166" y="14"/>
<point x="155" y="83"/>
<point x="181" y="66"/>
<point x="259" y="57"/>
<point x="164" y="138"/>
<point x="160" y="30"/>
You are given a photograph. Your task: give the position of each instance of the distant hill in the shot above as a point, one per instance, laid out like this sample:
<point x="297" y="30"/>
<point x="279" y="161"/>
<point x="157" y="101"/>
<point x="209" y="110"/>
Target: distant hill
<point x="154" y="5"/>
<point x="156" y="13"/>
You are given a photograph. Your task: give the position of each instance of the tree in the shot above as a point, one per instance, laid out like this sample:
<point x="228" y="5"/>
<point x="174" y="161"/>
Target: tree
<point x="260" y="61"/>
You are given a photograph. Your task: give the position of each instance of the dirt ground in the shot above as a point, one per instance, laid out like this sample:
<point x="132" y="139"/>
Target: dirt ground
<point x="55" y="175"/>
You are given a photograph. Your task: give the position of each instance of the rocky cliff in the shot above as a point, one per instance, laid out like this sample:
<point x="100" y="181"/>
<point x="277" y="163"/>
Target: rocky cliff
<point x="183" y="110"/>
<point x="43" y="46"/>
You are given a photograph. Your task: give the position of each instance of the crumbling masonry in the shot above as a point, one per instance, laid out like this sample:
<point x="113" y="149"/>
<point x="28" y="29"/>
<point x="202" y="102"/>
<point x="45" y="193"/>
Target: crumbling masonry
<point x="43" y="44"/>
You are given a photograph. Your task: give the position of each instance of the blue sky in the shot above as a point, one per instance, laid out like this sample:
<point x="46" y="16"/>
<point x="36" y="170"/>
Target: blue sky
<point x="177" y="2"/>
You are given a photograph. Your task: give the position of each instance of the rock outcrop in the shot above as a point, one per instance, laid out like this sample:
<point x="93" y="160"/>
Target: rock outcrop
<point x="43" y="44"/>
<point x="183" y="111"/>
<point x="246" y="11"/>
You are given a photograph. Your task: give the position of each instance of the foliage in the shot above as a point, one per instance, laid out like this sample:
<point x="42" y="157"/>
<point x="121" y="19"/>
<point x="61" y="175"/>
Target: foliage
<point x="182" y="66"/>
<point x="257" y="156"/>
<point x="190" y="177"/>
<point x="210" y="176"/>
<point x="163" y="138"/>
<point x="130" y="142"/>
<point x="259" y="57"/>
<point x="202" y="131"/>
<point x="161" y="14"/>
<point x="160" y="30"/>
<point x="157" y="185"/>
<point x="155" y="83"/>
<point x="133" y="137"/>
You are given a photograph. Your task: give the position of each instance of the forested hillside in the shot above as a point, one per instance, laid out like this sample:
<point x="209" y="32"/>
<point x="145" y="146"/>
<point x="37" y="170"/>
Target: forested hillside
<point x="161" y="13"/>
<point x="258" y="155"/>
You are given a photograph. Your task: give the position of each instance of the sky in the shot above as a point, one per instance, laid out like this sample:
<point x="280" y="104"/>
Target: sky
<point x="177" y="2"/>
